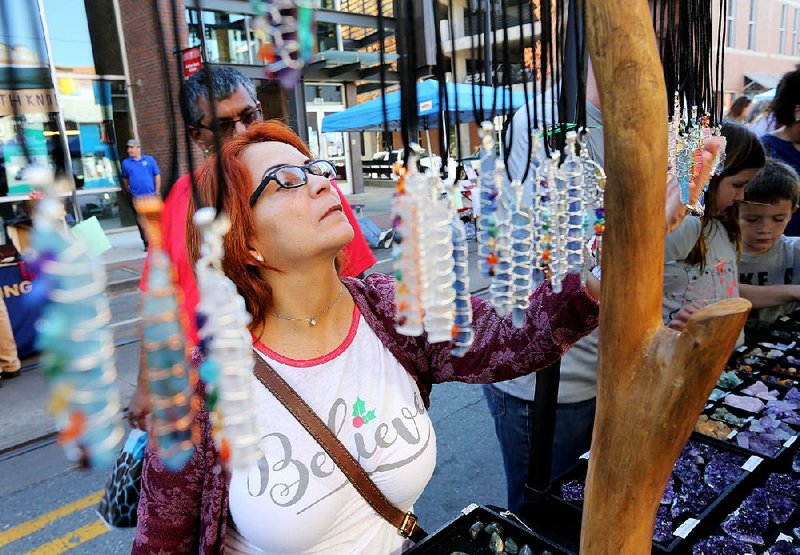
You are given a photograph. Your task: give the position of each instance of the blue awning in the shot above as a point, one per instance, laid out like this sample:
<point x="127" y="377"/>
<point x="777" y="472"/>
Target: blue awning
<point x="465" y="99"/>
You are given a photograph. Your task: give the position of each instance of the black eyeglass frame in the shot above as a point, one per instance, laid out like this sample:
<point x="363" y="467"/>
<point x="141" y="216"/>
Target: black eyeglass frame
<point x="230" y="124"/>
<point x="271" y="175"/>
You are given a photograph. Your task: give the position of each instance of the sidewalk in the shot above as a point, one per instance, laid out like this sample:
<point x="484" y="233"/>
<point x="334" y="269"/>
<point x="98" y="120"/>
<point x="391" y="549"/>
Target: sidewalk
<point x="24" y="417"/>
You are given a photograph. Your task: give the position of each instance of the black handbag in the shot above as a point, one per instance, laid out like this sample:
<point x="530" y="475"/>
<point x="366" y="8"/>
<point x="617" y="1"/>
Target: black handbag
<point x="120" y="499"/>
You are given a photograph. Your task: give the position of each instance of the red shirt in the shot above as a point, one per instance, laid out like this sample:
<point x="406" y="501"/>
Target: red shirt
<point x="358" y="256"/>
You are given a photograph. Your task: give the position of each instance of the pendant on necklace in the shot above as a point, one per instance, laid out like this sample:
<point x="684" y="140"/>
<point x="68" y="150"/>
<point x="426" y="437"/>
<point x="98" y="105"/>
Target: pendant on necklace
<point x="312" y="321"/>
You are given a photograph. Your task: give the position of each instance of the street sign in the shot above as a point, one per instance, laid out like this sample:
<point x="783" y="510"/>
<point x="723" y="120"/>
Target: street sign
<point x="192" y="61"/>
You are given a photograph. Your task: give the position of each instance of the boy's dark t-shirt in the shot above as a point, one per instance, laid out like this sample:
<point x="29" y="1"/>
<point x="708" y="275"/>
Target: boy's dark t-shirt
<point x="780" y="265"/>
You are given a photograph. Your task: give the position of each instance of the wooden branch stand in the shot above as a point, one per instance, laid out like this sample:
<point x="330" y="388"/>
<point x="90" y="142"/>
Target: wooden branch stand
<point x="652" y="382"/>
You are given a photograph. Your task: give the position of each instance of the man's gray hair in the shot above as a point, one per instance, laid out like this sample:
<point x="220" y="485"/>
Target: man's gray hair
<point x="224" y="81"/>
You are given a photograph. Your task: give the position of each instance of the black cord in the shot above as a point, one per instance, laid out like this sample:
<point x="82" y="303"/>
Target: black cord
<point x="163" y="59"/>
<point x="457" y="114"/>
<point x="382" y="69"/>
<point x="477" y="114"/>
<point x="506" y="82"/>
<point x="524" y="76"/>
<point x="212" y="103"/>
<point x="444" y="101"/>
<point x="198" y="202"/>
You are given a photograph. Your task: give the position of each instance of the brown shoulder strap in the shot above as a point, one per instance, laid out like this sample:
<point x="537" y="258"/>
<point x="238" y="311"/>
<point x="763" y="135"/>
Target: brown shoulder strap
<point x="406" y="523"/>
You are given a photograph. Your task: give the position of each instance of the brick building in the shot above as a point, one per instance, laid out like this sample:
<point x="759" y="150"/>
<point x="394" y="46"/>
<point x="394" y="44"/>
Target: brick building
<point x="763" y="43"/>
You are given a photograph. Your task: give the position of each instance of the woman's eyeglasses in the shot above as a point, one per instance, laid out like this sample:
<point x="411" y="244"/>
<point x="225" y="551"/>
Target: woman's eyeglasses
<point x="226" y="127"/>
<point x="292" y="177"/>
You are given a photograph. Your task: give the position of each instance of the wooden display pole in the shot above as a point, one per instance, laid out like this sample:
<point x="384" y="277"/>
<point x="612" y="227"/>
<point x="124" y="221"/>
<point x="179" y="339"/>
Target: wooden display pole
<point x="652" y="381"/>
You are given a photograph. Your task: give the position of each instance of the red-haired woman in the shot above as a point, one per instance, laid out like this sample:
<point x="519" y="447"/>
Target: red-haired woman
<point x="333" y="340"/>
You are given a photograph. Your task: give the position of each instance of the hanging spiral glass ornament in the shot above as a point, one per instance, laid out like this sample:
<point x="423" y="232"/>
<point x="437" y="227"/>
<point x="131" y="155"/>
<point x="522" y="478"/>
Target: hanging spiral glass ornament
<point x="500" y="288"/>
<point x="572" y="175"/>
<point x="463" y="334"/>
<point x="406" y="249"/>
<point x="289" y="32"/>
<point x="487" y="218"/>
<point x="438" y="294"/>
<point x="73" y="335"/>
<point x="228" y="362"/>
<point x="170" y="378"/>
<point x="521" y="256"/>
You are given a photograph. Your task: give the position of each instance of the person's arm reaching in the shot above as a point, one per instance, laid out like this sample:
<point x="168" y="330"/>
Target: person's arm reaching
<point x="765" y="296"/>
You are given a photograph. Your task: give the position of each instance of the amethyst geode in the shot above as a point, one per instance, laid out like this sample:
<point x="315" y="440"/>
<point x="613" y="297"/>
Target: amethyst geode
<point x="749" y="522"/>
<point x="785" y="484"/>
<point x="783" y="548"/>
<point x="720" y="545"/>
<point x="722" y="470"/>
<point x="572" y="491"/>
<point x="663" y="529"/>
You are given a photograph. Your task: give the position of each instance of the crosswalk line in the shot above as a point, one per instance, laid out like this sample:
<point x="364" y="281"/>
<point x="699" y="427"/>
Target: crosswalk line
<point x="72" y="539"/>
<point x="30" y="526"/>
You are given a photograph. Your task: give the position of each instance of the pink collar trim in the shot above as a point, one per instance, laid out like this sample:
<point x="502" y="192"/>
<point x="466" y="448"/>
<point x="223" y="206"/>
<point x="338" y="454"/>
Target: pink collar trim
<point x="277" y="357"/>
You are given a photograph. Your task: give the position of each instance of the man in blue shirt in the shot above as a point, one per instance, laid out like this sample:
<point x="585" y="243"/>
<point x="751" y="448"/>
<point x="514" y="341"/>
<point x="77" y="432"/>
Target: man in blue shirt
<point x="140" y="177"/>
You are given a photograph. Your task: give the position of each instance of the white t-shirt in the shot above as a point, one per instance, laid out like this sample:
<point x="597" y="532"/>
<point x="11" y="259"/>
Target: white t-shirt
<point x="685" y="283"/>
<point x="296" y="500"/>
<point x="780" y="265"/>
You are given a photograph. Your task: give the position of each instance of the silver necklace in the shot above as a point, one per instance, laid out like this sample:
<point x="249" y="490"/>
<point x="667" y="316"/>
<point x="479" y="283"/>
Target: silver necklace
<point x="312" y="320"/>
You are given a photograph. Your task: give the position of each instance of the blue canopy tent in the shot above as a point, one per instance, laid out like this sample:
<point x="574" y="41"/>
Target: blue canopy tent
<point x="369" y="115"/>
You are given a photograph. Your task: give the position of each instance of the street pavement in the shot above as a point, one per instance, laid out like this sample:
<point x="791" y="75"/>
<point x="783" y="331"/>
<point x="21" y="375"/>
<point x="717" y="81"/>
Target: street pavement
<point x="48" y="507"/>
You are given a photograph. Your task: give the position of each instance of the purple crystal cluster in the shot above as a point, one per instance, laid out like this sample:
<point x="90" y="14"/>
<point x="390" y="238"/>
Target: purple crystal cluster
<point x="760" y="390"/>
<point x="699" y="476"/>
<point x="720" y="545"/>
<point x="783" y="548"/>
<point x="774" y="503"/>
<point x="572" y="491"/>
<point x="663" y="530"/>
<point x="765" y="436"/>
<point x="745" y="403"/>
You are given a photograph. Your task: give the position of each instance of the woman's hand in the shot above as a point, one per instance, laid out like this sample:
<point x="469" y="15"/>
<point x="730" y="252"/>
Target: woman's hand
<point x="676" y="210"/>
<point x="681" y="317"/>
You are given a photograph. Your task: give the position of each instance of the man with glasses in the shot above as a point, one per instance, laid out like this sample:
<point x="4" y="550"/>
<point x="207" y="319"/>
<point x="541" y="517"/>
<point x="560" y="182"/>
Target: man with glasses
<point x="237" y="107"/>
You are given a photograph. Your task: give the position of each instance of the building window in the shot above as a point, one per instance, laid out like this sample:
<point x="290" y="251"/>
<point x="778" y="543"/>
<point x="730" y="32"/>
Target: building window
<point x="731" y="31"/>
<point x="751" y="26"/>
<point x="782" y="31"/>
<point x="84" y="37"/>
<point x="795" y="31"/>
<point x="226" y="38"/>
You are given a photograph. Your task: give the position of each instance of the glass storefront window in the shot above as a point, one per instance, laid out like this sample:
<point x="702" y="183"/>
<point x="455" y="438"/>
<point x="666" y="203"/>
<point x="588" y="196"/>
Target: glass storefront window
<point x="89" y="119"/>
<point x="326" y="37"/>
<point x="324" y="93"/>
<point x="23" y="43"/>
<point x="103" y="206"/>
<point x="83" y="35"/>
<point x="41" y="140"/>
<point x="193" y="22"/>
<point x="226" y="38"/>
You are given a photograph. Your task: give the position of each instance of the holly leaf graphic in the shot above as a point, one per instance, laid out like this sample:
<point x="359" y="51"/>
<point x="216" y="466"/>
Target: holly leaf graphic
<point x="359" y="407"/>
<point x="369" y="416"/>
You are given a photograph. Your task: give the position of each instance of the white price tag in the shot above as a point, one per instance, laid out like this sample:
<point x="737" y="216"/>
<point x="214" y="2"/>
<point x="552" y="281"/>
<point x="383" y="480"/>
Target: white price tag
<point x="732" y="434"/>
<point x="785" y="538"/>
<point x="752" y="463"/>
<point x="784" y="318"/>
<point x="686" y="528"/>
<point x="790" y="441"/>
<point x="742" y="349"/>
<point x="585" y="456"/>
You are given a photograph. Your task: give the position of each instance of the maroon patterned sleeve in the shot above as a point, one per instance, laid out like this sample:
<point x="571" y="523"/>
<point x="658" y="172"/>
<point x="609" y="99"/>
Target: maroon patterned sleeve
<point x="553" y="323"/>
<point x="169" y="505"/>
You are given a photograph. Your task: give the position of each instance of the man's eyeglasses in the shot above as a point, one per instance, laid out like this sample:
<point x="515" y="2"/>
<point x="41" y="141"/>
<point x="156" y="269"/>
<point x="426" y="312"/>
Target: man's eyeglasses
<point x="292" y="177"/>
<point x="226" y="127"/>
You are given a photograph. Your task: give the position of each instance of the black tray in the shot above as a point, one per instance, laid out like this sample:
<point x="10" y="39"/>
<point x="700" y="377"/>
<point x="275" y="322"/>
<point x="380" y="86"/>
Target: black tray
<point x="454" y="536"/>
<point x="759" y="478"/>
<point x="705" y="519"/>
